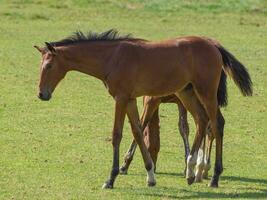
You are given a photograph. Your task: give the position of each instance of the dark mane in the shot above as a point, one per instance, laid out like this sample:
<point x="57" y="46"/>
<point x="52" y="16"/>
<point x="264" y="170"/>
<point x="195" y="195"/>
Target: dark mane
<point x="80" y="37"/>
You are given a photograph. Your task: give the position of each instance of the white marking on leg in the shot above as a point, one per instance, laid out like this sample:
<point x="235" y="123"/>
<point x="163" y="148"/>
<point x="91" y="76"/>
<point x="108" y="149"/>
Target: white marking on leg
<point x="191" y="162"/>
<point x="200" y="165"/>
<point x="151" y="180"/>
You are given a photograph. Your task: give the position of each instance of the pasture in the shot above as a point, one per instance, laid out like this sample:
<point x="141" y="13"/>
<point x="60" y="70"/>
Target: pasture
<point x="61" y="149"/>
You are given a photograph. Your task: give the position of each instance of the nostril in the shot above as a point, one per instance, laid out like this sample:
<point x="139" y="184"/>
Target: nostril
<point x="40" y="95"/>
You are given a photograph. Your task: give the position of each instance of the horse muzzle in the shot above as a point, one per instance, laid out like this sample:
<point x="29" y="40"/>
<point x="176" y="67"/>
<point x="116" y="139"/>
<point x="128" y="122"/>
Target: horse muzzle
<point x="44" y="96"/>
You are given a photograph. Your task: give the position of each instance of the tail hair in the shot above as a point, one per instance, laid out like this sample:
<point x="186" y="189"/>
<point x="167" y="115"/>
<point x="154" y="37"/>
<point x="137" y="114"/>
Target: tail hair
<point x="222" y="91"/>
<point x="237" y="71"/>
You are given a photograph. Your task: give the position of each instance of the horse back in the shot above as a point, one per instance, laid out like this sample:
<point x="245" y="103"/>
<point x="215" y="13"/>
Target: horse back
<point x="165" y="67"/>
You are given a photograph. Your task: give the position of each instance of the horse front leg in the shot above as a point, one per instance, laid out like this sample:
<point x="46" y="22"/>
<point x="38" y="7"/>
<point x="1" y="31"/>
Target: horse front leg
<point x="152" y="141"/>
<point x="120" y="112"/>
<point x="150" y="126"/>
<point x="132" y="113"/>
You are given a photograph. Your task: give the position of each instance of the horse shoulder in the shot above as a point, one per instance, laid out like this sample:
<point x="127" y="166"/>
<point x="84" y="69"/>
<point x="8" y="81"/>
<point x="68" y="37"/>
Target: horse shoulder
<point x="122" y="69"/>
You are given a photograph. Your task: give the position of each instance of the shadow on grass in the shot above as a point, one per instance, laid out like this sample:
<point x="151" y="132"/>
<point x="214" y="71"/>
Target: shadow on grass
<point x="212" y="195"/>
<point x="157" y="173"/>
<point x="244" y="179"/>
<point x="244" y="192"/>
<point x="170" y="174"/>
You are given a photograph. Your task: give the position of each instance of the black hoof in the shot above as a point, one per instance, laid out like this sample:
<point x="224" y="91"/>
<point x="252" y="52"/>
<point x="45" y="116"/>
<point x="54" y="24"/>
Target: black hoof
<point x="213" y="185"/>
<point x="151" y="184"/>
<point x="190" y="180"/>
<point x="107" y="185"/>
<point x="123" y="170"/>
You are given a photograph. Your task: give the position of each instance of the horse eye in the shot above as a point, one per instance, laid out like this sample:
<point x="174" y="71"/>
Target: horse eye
<point x="48" y="66"/>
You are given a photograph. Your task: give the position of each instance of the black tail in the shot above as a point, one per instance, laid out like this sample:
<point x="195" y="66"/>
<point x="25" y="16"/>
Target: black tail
<point x="222" y="91"/>
<point x="237" y="71"/>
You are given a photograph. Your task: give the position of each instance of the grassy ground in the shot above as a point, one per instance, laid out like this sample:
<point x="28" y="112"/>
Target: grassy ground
<point x="61" y="149"/>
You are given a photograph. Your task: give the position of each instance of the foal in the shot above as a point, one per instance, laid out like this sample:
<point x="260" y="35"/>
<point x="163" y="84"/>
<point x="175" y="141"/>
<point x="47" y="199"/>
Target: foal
<point x="131" y="68"/>
<point x="150" y="115"/>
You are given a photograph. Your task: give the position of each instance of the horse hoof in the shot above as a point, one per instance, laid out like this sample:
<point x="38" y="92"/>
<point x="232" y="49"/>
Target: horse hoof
<point x="123" y="171"/>
<point x="190" y="180"/>
<point x="151" y="184"/>
<point x="107" y="185"/>
<point x="213" y="185"/>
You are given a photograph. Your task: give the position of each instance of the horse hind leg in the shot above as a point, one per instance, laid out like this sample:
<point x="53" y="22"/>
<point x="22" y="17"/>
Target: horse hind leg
<point x="209" y="99"/>
<point x="184" y="130"/>
<point x="193" y="105"/>
<point x="207" y="165"/>
<point x="200" y="162"/>
<point x="204" y="153"/>
<point x="219" y="150"/>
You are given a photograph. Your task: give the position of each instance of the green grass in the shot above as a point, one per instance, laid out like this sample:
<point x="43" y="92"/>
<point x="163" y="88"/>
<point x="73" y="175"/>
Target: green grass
<point x="61" y="149"/>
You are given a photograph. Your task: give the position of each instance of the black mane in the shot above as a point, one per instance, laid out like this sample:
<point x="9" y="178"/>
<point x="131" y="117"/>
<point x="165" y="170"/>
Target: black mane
<point x="80" y="37"/>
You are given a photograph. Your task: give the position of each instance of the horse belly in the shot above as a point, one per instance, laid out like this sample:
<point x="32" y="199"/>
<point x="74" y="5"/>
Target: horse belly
<point x="163" y="85"/>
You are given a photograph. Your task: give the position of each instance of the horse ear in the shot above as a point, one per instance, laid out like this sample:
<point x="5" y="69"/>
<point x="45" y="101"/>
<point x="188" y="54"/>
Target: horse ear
<point x="50" y="48"/>
<point x="41" y="50"/>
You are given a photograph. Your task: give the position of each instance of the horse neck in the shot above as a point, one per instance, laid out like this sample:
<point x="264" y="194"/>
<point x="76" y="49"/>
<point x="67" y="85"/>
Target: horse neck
<point x="89" y="58"/>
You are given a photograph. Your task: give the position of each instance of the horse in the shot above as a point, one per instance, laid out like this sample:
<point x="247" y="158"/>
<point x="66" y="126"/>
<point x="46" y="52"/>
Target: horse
<point x="188" y="67"/>
<point x="151" y="132"/>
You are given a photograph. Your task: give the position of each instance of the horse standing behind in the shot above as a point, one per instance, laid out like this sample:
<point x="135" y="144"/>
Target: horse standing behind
<point x="188" y="67"/>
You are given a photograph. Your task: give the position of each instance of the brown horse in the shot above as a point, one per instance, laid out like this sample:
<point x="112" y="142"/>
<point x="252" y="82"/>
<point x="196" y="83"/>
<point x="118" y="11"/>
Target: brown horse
<point x="151" y="132"/>
<point x="188" y="67"/>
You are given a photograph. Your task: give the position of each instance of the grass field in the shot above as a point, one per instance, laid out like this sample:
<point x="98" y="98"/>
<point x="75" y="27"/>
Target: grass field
<point x="61" y="149"/>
